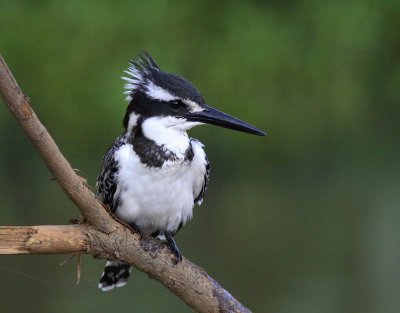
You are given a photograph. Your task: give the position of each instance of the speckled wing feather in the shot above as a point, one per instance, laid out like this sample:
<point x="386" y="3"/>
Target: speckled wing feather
<point x="199" y="198"/>
<point x="107" y="179"/>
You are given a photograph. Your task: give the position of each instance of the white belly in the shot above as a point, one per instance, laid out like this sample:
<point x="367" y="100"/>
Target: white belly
<point x="158" y="199"/>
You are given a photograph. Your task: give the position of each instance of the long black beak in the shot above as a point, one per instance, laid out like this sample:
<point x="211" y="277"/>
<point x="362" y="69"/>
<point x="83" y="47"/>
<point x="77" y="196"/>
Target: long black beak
<point x="215" y="117"/>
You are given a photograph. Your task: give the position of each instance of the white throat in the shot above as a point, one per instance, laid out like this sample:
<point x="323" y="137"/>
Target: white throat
<point x="168" y="131"/>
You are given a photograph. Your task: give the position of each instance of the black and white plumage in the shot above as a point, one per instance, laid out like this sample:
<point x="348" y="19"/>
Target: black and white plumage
<point x="154" y="172"/>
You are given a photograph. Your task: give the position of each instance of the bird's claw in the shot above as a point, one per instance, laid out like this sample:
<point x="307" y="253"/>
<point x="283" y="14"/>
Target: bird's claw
<point x="178" y="256"/>
<point x="136" y="229"/>
<point x="173" y="247"/>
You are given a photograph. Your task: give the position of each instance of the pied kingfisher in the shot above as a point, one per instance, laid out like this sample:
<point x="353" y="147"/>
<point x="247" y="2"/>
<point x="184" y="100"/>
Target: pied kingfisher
<point x="154" y="173"/>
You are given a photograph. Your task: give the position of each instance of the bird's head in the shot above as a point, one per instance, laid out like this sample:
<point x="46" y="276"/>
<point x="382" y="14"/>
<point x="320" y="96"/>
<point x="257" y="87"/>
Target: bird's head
<point x="171" y="100"/>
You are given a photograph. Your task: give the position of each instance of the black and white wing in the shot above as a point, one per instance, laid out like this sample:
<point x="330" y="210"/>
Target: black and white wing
<point x="107" y="179"/>
<point x="199" y="198"/>
<point x="116" y="273"/>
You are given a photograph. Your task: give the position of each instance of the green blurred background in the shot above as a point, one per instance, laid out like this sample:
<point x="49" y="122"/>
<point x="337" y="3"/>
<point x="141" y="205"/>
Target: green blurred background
<point x="304" y="220"/>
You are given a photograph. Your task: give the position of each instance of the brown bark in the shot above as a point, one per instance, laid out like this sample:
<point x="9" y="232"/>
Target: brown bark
<point x="101" y="235"/>
<point x="42" y="239"/>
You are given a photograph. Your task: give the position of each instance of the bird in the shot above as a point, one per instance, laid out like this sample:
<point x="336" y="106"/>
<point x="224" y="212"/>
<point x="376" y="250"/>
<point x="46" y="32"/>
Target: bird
<point x="154" y="173"/>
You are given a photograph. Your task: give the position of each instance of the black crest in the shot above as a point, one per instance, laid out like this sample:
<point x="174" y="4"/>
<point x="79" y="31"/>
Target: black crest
<point x="139" y="73"/>
<point x="144" y="71"/>
<point x="144" y="62"/>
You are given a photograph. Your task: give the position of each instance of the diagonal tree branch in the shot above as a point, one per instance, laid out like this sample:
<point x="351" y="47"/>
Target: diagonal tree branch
<point x="101" y="235"/>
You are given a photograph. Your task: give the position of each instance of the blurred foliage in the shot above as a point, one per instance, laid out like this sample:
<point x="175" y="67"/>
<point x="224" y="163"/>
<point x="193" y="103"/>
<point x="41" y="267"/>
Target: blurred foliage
<point x="304" y="220"/>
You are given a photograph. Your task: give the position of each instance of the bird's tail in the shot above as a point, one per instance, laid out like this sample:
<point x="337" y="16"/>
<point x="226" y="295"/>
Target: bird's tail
<point x="115" y="274"/>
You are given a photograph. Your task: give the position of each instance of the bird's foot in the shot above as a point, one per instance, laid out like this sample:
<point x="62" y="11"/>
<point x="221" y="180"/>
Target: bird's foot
<point x="174" y="248"/>
<point x="178" y="255"/>
<point x="136" y="228"/>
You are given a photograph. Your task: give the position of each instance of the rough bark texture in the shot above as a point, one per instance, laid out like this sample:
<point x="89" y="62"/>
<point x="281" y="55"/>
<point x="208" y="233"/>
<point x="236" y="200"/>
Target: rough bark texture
<point x="101" y="235"/>
<point x="43" y="239"/>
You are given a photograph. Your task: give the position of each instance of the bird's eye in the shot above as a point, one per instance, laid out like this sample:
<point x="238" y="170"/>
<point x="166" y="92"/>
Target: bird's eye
<point x="176" y="104"/>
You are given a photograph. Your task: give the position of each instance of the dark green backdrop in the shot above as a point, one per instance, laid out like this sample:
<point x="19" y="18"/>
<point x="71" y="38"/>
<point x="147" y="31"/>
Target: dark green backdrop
<point x="304" y="220"/>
